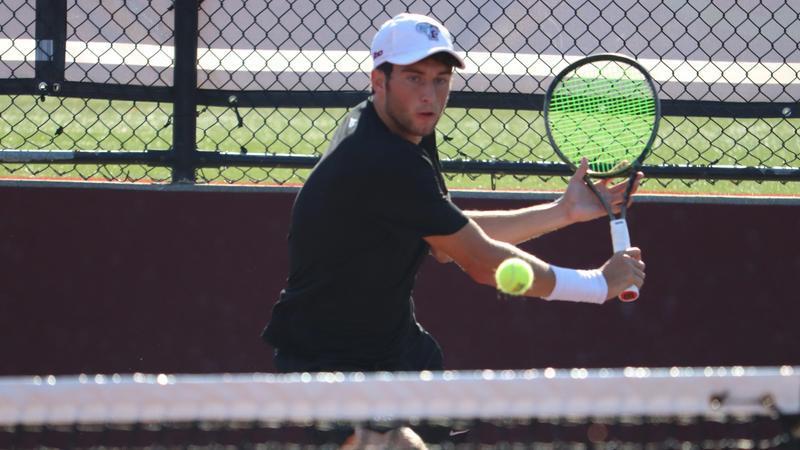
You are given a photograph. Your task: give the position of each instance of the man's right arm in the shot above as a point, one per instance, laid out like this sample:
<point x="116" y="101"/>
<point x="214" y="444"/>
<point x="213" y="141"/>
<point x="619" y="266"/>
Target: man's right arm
<point x="479" y="255"/>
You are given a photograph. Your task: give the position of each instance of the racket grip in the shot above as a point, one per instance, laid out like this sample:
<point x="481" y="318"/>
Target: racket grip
<point x="621" y="240"/>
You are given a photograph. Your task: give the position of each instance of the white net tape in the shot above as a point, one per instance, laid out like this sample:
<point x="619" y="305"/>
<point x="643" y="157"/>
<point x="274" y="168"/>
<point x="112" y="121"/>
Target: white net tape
<point x="400" y="396"/>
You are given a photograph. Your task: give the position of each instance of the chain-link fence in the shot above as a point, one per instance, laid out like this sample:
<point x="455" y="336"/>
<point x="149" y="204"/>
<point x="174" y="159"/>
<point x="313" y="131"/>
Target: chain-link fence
<point x="234" y="91"/>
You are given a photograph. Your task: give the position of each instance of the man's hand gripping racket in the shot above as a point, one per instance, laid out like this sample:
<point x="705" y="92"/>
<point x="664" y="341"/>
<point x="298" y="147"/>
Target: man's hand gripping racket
<point x="604" y="108"/>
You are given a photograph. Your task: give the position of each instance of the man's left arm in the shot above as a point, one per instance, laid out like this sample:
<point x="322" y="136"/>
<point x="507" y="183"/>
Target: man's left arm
<point x="578" y="204"/>
<point x="520" y="225"/>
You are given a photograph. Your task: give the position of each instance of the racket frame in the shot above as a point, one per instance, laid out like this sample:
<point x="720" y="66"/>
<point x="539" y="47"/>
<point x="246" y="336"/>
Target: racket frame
<point x="619" y="228"/>
<point x="634" y="165"/>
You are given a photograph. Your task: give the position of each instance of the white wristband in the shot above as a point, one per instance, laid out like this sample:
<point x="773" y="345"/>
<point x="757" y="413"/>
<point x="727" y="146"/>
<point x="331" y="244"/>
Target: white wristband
<point x="588" y="286"/>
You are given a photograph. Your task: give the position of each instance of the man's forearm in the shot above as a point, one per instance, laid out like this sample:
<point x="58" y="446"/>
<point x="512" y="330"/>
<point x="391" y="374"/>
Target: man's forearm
<point x="520" y="225"/>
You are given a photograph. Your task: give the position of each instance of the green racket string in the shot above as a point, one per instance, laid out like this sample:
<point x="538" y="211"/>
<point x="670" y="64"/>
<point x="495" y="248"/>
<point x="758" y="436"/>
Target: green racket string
<point x="602" y="111"/>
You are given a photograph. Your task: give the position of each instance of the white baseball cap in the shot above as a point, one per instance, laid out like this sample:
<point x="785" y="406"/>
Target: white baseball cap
<point x="407" y="38"/>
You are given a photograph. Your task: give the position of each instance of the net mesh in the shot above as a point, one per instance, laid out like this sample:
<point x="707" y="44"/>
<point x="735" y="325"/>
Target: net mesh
<point x="605" y="111"/>
<point x="747" y="408"/>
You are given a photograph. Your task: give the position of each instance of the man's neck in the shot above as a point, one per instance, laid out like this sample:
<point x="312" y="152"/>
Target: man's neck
<point x="392" y="125"/>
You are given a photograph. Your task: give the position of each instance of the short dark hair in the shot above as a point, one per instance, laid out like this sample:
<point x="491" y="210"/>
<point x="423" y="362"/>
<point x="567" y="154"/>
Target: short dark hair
<point x="386" y="68"/>
<point x="446" y="59"/>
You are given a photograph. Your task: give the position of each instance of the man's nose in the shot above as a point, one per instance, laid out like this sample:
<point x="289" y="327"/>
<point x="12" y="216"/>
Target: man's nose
<point x="427" y="92"/>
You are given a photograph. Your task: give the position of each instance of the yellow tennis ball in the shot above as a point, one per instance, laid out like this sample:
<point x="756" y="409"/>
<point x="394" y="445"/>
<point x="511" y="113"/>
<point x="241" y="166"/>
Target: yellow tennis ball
<point x="514" y="276"/>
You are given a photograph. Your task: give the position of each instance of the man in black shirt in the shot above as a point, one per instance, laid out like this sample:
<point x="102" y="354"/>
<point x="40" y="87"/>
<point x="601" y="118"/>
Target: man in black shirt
<point x="356" y="242"/>
<point x="376" y="204"/>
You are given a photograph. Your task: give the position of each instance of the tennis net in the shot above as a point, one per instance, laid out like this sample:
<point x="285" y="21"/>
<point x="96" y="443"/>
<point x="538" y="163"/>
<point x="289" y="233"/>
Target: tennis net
<point x="631" y="408"/>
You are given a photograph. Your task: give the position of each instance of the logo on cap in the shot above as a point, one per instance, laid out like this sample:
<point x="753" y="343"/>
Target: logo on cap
<point x="432" y="31"/>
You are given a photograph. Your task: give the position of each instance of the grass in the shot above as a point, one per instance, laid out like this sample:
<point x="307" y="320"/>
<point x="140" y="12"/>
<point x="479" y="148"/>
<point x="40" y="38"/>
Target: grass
<point x="76" y="124"/>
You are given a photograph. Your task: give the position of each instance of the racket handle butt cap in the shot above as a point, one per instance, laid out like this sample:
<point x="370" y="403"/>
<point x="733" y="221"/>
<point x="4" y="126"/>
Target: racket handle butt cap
<point x="630" y="294"/>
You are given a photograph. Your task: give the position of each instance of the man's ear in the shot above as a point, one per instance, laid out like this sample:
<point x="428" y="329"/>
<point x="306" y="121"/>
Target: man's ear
<point x="378" y="79"/>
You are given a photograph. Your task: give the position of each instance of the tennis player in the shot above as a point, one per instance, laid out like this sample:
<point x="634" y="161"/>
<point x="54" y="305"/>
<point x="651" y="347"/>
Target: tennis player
<point x="376" y="204"/>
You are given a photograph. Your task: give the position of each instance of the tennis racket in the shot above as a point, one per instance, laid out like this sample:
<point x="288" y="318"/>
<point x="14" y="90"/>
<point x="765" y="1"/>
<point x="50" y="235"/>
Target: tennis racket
<point x="605" y="108"/>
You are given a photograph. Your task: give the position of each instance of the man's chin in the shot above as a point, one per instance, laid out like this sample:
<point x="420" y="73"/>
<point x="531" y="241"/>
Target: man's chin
<point x="424" y="130"/>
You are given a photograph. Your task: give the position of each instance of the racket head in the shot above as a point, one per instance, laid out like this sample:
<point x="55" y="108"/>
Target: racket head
<point x="603" y="107"/>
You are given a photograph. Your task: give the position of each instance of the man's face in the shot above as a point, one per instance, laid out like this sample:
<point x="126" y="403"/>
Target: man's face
<point x="412" y="99"/>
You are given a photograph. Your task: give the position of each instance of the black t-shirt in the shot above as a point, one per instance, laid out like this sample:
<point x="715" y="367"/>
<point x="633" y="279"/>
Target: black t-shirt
<point x="355" y="243"/>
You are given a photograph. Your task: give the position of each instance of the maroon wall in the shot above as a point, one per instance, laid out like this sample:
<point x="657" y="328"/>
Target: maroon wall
<point x="120" y="280"/>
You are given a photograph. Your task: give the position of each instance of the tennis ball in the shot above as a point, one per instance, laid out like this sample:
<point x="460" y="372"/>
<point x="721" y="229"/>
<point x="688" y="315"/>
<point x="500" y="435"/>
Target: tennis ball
<point x="514" y="276"/>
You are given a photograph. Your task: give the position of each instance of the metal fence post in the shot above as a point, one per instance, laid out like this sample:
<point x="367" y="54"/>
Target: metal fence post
<point x="51" y="31"/>
<point x="184" y="144"/>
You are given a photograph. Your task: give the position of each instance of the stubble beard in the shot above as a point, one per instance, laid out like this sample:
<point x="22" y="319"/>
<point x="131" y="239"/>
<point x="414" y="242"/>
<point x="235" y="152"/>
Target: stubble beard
<point x="405" y="122"/>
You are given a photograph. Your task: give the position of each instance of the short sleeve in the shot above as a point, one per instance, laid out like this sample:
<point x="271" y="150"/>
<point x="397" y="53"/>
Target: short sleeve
<point x="409" y="199"/>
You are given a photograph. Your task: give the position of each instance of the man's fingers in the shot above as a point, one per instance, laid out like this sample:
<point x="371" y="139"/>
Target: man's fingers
<point x="622" y="185"/>
<point x="615" y="192"/>
<point x="634" y="252"/>
<point x="583" y="168"/>
<point x="637" y="265"/>
<point x="634" y="256"/>
<point x="636" y="183"/>
<point x="638" y="279"/>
